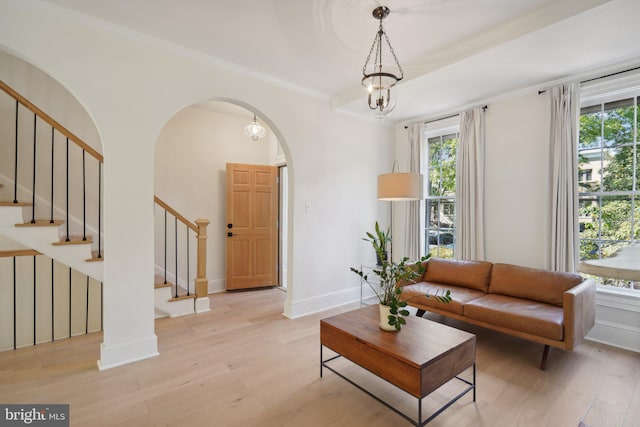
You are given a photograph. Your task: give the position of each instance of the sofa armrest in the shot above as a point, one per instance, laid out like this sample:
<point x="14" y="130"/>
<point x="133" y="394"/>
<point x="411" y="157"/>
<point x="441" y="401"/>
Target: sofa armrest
<point x="579" y="305"/>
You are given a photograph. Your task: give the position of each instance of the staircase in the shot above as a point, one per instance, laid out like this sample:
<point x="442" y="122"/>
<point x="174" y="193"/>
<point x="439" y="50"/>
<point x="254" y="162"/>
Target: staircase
<point x="48" y="238"/>
<point x="42" y="300"/>
<point x="51" y="203"/>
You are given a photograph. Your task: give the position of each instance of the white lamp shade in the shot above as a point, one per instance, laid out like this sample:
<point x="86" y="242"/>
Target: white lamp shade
<point x="398" y="186"/>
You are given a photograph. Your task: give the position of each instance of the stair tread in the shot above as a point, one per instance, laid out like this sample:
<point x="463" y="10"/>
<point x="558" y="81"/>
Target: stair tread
<point x="42" y="223"/>
<point x="18" y="252"/>
<point x="15" y="204"/>
<point x="96" y="256"/>
<point x="74" y="240"/>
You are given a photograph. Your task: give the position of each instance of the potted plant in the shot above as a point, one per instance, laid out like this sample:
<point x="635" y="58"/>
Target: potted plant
<point x="388" y="273"/>
<point x="380" y="241"/>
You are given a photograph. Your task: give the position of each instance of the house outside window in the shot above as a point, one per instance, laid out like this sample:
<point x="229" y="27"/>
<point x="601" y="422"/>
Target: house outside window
<point x="440" y="203"/>
<point x="608" y="173"/>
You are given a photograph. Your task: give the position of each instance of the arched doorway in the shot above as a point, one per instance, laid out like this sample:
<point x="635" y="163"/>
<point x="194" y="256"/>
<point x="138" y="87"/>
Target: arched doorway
<point x="192" y="151"/>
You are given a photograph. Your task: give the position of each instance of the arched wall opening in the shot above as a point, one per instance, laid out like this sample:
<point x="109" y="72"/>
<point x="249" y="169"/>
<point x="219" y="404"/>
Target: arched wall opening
<point x="50" y="157"/>
<point x="191" y="154"/>
<point x="56" y="101"/>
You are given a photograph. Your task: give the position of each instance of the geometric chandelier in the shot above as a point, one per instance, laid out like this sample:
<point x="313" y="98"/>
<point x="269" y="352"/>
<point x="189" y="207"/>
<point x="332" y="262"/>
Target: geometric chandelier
<point x="254" y="130"/>
<point x="378" y="77"/>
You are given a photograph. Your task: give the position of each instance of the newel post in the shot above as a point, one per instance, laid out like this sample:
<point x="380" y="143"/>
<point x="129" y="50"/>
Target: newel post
<point x="202" y="284"/>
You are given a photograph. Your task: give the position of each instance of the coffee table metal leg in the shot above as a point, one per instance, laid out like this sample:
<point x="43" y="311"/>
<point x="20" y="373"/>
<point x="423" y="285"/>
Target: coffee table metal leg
<point x="474" y="381"/>
<point x="418" y="422"/>
<point x="323" y="362"/>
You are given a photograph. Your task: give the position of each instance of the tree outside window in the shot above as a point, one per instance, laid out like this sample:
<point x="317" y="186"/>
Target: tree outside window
<point x="609" y="168"/>
<point x="441" y="195"/>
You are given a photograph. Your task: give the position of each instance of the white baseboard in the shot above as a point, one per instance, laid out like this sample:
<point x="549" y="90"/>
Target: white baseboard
<point x="202" y="305"/>
<point x="617" y="319"/>
<point x="133" y="351"/>
<point x="615" y="334"/>
<point x="217" y="286"/>
<point x="324" y="302"/>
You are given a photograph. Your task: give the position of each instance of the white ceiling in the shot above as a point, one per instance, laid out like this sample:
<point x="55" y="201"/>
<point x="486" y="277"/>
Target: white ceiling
<point x="454" y="52"/>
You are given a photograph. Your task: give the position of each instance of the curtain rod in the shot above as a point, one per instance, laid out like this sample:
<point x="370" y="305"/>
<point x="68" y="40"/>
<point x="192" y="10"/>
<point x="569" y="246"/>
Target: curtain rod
<point x="484" y="108"/>
<point x="540" y="92"/>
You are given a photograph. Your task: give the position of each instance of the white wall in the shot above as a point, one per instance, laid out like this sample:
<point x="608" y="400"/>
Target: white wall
<point x="191" y="156"/>
<point x="516" y="181"/>
<point x="131" y="85"/>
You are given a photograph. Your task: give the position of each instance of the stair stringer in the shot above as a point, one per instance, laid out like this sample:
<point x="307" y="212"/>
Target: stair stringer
<point x="41" y="239"/>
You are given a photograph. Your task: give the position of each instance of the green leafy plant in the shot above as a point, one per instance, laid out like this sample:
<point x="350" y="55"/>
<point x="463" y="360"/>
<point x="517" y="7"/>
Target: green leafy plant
<point x="380" y="241"/>
<point x="389" y="274"/>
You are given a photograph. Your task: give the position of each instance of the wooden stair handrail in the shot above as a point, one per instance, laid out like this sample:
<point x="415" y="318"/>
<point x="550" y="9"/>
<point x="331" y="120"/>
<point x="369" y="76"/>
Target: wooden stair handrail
<point x="175" y="213"/>
<point x="48" y="119"/>
<point x="200" y="228"/>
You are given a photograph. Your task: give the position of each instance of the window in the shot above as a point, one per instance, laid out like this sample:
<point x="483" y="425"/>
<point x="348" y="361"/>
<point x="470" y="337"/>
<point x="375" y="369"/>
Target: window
<point x="440" y="213"/>
<point x="585" y="175"/>
<point x="608" y="173"/>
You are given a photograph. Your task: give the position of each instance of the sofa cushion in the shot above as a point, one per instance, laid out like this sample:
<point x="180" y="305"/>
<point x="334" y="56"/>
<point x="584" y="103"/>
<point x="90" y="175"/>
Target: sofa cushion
<point x="466" y="274"/>
<point x="532" y="317"/>
<point x="415" y="295"/>
<point x="531" y="283"/>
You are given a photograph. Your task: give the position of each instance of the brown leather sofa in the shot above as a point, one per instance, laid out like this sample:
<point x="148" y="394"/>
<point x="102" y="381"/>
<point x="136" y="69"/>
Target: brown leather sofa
<point x="552" y="308"/>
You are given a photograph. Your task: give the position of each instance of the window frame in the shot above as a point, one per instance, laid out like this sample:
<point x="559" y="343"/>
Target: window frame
<point x="596" y="97"/>
<point x="443" y="127"/>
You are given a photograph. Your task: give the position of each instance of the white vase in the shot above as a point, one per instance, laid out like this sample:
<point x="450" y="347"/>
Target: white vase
<point x="385" y="311"/>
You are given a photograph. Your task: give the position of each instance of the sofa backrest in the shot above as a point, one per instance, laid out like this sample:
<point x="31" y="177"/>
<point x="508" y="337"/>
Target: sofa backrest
<point x="467" y="274"/>
<point x="532" y="283"/>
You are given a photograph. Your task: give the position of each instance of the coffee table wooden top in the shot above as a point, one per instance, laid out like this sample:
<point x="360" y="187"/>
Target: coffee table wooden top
<point x="420" y="343"/>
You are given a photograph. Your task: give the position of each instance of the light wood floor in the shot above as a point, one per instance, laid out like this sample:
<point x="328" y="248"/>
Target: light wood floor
<point x="244" y="364"/>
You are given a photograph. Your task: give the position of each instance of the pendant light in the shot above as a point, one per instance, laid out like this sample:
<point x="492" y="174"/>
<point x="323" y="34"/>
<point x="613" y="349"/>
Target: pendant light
<point x="379" y="78"/>
<point x="254" y="130"/>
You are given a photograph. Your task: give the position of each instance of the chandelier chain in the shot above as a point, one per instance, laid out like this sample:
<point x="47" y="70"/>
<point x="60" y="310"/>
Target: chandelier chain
<point x="377" y="40"/>
<point x="378" y="79"/>
<point x="393" y="52"/>
<point x="373" y="45"/>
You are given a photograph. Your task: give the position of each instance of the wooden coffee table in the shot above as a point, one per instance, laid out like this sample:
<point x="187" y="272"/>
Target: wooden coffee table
<point x="419" y="359"/>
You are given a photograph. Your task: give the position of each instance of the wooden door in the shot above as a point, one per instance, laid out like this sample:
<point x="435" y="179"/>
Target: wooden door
<point x="252" y="226"/>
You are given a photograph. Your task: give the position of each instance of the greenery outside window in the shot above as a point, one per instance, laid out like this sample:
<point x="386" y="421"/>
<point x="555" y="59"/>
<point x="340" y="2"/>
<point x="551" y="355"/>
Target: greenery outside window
<point x="440" y="212"/>
<point x="608" y="173"/>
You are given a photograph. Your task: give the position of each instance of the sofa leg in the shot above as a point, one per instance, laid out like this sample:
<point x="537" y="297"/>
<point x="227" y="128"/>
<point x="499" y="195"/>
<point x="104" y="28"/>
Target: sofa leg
<point x="543" y="362"/>
<point x="420" y="312"/>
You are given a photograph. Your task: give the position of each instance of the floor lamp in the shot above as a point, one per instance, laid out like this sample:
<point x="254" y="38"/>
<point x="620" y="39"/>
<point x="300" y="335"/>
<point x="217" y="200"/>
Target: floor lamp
<point x="398" y="186"/>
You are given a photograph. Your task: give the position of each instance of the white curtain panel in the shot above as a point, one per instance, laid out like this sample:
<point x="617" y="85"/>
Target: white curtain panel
<point x="412" y="224"/>
<point x="469" y="243"/>
<point x="563" y="239"/>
